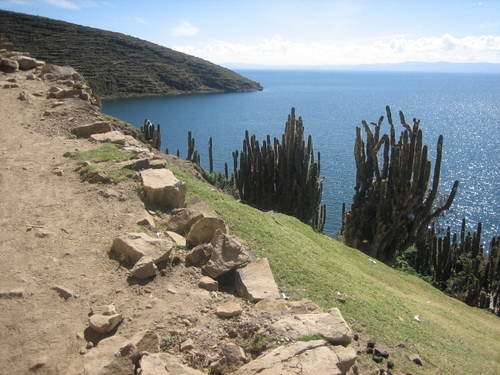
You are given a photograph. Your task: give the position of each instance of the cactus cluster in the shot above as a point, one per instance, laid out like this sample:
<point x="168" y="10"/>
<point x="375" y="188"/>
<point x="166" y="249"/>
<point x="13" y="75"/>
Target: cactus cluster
<point x="392" y="205"/>
<point x="151" y="134"/>
<point x="282" y="175"/>
<point x="460" y="266"/>
<point x="192" y="154"/>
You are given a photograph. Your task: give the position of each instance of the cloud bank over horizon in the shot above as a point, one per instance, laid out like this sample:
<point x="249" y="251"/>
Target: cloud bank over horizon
<point x="278" y="50"/>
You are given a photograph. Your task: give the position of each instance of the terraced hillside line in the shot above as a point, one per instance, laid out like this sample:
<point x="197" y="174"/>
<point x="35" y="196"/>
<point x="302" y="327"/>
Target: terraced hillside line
<point x="118" y="65"/>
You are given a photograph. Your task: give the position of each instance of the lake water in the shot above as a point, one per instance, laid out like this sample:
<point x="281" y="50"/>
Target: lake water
<point x="465" y="108"/>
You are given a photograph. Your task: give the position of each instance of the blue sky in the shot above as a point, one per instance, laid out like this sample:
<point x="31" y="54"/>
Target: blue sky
<point x="296" y="32"/>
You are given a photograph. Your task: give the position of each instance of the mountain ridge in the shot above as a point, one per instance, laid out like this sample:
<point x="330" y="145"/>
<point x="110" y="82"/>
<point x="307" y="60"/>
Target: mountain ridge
<point x="118" y="65"/>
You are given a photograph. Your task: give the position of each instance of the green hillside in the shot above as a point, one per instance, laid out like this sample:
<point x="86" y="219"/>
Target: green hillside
<point x="116" y="64"/>
<point x="380" y="302"/>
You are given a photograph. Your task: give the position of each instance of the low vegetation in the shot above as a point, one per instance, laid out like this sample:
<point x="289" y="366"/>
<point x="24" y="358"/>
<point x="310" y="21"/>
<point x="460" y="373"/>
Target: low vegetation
<point x="115" y="64"/>
<point x="378" y="301"/>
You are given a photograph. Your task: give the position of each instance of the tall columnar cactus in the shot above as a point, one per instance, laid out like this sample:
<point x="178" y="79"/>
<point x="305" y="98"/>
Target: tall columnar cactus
<point x="190" y="148"/>
<point x="151" y="135"/>
<point x="210" y="155"/>
<point x="392" y="205"/>
<point x="282" y="175"/>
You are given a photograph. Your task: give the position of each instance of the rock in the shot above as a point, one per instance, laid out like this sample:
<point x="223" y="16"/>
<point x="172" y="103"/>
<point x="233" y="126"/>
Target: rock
<point x="164" y="364"/>
<point x="229" y="253"/>
<point x="110" y="136"/>
<point x="377" y="359"/>
<point x="233" y="354"/>
<point x="30" y="77"/>
<point x="228" y="310"/>
<point x="144" y="268"/>
<point x="161" y="187"/>
<point x="209" y="284"/>
<point x="186" y="345"/>
<point x="177" y="238"/>
<point x="182" y="219"/>
<point x="85" y="96"/>
<point x="415" y="358"/>
<point x="390" y="365"/>
<point x="64" y="94"/>
<point x="157" y="163"/>
<point x="133" y="246"/>
<point x="8" y="65"/>
<point x="57" y="104"/>
<point x="203" y="231"/>
<point x="110" y="193"/>
<point x="26" y="62"/>
<point x="38" y="364"/>
<point x="283" y="307"/>
<point x="104" y="323"/>
<point x="58" y="171"/>
<point x="64" y="292"/>
<point x="146" y="220"/>
<point x="256" y="281"/>
<point x="304" y="358"/>
<point x="199" y="255"/>
<point x="103" y="310"/>
<point x="93" y="128"/>
<point x="381" y="353"/>
<point x="13" y="293"/>
<point x="24" y="96"/>
<point x="331" y="326"/>
<point x="134" y="164"/>
<point x="43" y="233"/>
<point x="198" y="205"/>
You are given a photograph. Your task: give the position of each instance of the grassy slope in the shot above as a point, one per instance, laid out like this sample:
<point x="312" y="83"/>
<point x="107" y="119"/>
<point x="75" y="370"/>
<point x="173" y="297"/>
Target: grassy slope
<point x="453" y="337"/>
<point x="116" y="64"/>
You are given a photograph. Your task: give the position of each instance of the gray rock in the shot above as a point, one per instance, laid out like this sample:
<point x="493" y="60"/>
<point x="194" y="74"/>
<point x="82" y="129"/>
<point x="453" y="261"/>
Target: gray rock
<point x="8" y="65"/>
<point x="255" y="281"/>
<point x="229" y="253"/>
<point x="26" y="62"/>
<point x="234" y="354"/>
<point x="203" y="231"/>
<point x="131" y="247"/>
<point x="304" y="358"/>
<point x="104" y="323"/>
<point x="199" y="255"/>
<point x="64" y="292"/>
<point x="164" y="364"/>
<point x="93" y="128"/>
<point x="331" y="326"/>
<point x="144" y="268"/>
<point x="161" y="187"/>
<point x="182" y="219"/>
<point x="209" y="284"/>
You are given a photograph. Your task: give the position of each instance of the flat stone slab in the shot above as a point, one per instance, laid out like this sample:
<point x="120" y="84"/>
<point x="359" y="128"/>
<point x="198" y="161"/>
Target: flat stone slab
<point x="163" y="188"/>
<point x="133" y="246"/>
<point x="94" y="128"/>
<point x="255" y="281"/>
<point x="177" y="238"/>
<point x="330" y="325"/>
<point x="281" y="307"/>
<point x="229" y="310"/>
<point x="164" y="364"/>
<point x="113" y="136"/>
<point x="302" y="358"/>
<point x="144" y="268"/>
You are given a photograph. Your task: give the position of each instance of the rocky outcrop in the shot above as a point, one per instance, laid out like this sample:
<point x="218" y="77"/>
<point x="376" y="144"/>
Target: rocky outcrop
<point x="255" y="281"/>
<point x="94" y="128"/>
<point x="8" y="65"/>
<point x="302" y="358"/>
<point x="229" y="253"/>
<point x="131" y="247"/>
<point x="331" y="326"/>
<point x="162" y="188"/>
<point x="164" y="364"/>
<point x="182" y="219"/>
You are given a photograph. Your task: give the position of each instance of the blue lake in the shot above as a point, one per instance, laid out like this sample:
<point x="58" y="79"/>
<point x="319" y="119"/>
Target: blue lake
<point x="465" y="108"/>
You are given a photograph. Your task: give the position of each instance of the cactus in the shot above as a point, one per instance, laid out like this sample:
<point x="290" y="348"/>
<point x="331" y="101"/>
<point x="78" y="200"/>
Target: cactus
<point x="150" y="134"/>
<point x="392" y="205"/>
<point x="282" y="175"/>
<point x="210" y="155"/>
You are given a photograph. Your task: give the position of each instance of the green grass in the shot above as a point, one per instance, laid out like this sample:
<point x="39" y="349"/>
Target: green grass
<point x="107" y="152"/>
<point x="381" y="302"/>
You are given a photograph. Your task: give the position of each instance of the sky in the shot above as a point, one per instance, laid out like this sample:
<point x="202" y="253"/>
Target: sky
<point x="295" y="32"/>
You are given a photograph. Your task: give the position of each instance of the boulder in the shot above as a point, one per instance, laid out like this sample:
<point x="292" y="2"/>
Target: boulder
<point x="131" y="247"/>
<point x="112" y="136"/>
<point x="144" y="268"/>
<point x="203" y="231"/>
<point x="182" y="219"/>
<point x="26" y="62"/>
<point x="234" y="354"/>
<point x="304" y="358"/>
<point x="199" y="255"/>
<point x="209" y="284"/>
<point x="255" y="281"/>
<point x="8" y="65"/>
<point x="104" y="323"/>
<point x="147" y="220"/>
<point x="164" y="364"/>
<point x="103" y="310"/>
<point x="115" y="355"/>
<point x="134" y="164"/>
<point x="229" y="253"/>
<point x="177" y="238"/>
<point x="157" y="163"/>
<point x="162" y="188"/>
<point x="282" y="307"/>
<point x="229" y="310"/>
<point x="330" y="325"/>
<point x="94" y="128"/>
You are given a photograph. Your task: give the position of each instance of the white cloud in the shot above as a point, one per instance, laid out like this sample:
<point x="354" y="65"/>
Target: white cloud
<point x="63" y="4"/>
<point x="141" y="20"/>
<point x="391" y="49"/>
<point x="184" y="28"/>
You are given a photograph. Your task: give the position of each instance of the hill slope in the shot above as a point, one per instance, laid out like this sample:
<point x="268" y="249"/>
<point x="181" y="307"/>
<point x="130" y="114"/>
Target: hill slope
<point x="116" y="64"/>
<point x="380" y="302"/>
